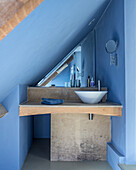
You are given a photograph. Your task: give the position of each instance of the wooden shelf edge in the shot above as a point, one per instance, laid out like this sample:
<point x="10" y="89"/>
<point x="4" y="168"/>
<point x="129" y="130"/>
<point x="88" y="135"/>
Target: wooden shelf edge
<point x="3" y="111"/>
<point x="27" y="110"/>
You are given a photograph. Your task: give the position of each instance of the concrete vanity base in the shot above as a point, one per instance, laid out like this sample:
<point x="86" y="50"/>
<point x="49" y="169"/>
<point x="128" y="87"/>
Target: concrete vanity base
<point x="73" y="136"/>
<point x="76" y="138"/>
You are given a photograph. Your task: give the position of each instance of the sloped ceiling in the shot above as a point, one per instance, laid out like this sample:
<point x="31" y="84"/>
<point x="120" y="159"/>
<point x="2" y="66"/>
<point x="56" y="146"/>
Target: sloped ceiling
<point x="43" y="38"/>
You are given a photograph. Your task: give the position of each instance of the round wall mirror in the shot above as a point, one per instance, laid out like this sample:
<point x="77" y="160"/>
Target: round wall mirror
<point x="111" y="46"/>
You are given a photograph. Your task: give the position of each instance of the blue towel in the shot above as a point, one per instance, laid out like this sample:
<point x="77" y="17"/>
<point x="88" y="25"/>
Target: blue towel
<point x="52" y="101"/>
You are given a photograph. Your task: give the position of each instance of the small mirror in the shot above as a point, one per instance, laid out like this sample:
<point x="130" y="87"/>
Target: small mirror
<point x="111" y="46"/>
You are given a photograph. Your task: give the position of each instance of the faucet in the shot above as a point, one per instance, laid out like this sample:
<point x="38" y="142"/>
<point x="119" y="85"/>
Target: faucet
<point x="99" y="85"/>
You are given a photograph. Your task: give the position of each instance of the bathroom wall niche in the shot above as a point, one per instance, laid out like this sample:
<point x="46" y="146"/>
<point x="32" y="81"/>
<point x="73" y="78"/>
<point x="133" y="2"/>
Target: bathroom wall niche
<point x="75" y="68"/>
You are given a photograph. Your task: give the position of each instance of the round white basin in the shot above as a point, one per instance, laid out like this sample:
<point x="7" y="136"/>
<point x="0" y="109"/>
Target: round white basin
<point x="91" y="97"/>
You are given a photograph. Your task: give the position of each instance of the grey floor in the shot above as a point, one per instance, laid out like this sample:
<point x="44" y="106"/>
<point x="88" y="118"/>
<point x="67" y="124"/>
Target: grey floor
<point x="38" y="159"/>
<point x="127" y="167"/>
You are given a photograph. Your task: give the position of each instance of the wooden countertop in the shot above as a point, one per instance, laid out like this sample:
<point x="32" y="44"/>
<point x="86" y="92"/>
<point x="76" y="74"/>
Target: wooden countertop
<point x="36" y="108"/>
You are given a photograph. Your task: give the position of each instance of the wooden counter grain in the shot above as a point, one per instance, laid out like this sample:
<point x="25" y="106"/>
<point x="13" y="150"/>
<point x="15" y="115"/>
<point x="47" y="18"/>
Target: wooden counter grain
<point x="35" y="108"/>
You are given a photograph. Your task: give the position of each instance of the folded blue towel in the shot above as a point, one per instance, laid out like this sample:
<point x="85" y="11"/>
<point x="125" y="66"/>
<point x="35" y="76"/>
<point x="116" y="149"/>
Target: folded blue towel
<point x="52" y="101"/>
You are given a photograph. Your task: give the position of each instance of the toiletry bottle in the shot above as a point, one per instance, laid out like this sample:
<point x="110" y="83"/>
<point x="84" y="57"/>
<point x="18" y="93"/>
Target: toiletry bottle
<point x="71" y="77"/>
<point x="88" y="81"/>
<point x="74" y="76"/>
<point x="99" y="85"/>
<point x="77" y="79"/>
<point x="92" y="82"/>
<point x="78" y="84"/>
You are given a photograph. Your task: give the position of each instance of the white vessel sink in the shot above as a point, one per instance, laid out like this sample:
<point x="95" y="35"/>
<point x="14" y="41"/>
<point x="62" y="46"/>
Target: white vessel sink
<point x="91" y="97"/>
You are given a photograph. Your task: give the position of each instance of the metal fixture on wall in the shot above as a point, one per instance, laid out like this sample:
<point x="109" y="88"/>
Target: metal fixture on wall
<point x="111" y="48"/>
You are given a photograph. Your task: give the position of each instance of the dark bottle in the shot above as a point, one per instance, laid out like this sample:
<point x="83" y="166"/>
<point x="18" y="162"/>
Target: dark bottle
<point x="88" y="81"/>
<point x="74" y="76"/>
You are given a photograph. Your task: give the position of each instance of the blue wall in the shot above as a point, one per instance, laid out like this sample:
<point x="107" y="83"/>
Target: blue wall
<point x="9" y="133"/>
<point x="42" y="126"/>
<point x="88" y="58"/>
<point x="15" y="132"/>
<point x="112" y="27"/>
<point x="130" y="80"/>
<point x="25" y="128"/>
<point x="42" y="39"/>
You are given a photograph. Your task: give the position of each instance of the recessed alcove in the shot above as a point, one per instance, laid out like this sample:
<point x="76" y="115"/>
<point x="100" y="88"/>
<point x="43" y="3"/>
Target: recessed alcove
<point x="73" y="136"/>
